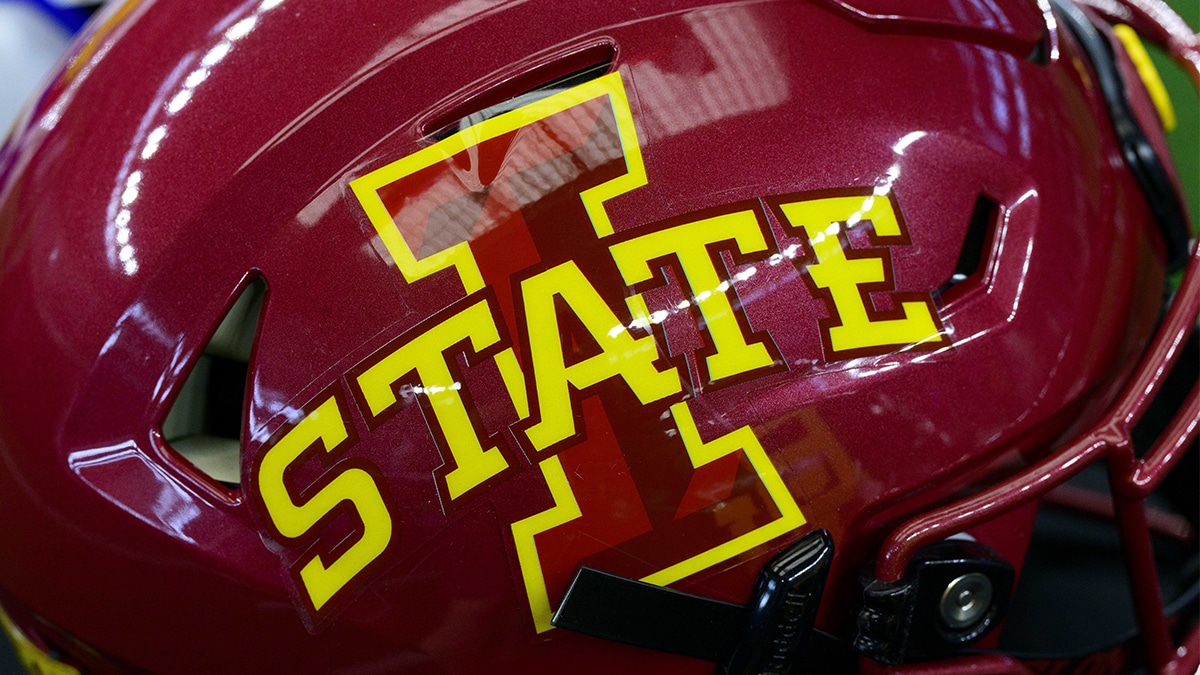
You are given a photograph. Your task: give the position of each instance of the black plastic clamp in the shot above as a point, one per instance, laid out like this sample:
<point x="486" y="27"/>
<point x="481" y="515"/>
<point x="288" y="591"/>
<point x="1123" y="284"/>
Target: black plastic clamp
<point x="952" y="594"/>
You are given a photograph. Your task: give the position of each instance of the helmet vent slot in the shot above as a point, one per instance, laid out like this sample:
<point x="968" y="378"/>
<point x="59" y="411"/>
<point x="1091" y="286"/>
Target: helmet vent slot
<point x="204" y="425"/>
<point x="976" y="243"/>
<point x="542" y="81"/>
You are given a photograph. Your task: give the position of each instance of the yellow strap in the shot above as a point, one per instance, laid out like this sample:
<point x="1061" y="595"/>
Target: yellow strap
<point x="1149" y="74"/>
<point x="30" y="655"/>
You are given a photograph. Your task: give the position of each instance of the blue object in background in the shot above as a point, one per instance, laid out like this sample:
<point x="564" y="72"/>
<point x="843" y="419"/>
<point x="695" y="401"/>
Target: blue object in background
<point x="34" y="34"/>
<point x="31" y="42"/>
<point x="70" y="15"/>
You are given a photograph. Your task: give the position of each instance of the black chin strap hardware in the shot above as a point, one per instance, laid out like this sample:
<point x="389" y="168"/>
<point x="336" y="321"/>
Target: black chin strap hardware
<point x="952" y="594"/>
<point x="766" y="636"/>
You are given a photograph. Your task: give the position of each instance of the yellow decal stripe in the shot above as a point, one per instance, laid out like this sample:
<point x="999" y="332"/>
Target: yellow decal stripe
<point x="702" y="453"/>
<point x="459" y="256"/>
<point x="635" y="175"/>
<point x="565" y="509"/>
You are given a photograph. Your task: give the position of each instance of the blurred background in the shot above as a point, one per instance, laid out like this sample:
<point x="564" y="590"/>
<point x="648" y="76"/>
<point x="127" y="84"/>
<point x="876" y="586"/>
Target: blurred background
<point x="34" y="34"/>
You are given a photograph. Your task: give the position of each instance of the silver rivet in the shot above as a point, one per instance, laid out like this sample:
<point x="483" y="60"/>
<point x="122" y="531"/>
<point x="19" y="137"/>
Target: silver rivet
<point x="966" y="600"/>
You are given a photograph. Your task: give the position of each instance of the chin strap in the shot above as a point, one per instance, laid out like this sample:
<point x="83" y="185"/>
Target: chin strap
<point x="1140" y="156"/>
<point x="767" y="636"/>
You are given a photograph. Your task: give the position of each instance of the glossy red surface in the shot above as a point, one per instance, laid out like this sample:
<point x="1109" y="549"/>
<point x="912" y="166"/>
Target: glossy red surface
<point x="192" y="147"/>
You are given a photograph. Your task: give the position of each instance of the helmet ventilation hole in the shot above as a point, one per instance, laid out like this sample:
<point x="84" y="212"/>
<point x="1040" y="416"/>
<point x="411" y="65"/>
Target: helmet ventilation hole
<point x="558" y="74"/>
<point x="977" y="243"/>
<point x="204" y="424"/>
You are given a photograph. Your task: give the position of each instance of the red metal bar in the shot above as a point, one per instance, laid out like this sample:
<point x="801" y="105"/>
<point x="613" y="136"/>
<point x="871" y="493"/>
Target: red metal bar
<point x="1170" y="449"/>
<point x="987" y="505"/>
<point x="1100" y="505"/>
<point x="1062" y="465"/>
<point x="1140" y="565"/>
<point x="1165" y="348"/>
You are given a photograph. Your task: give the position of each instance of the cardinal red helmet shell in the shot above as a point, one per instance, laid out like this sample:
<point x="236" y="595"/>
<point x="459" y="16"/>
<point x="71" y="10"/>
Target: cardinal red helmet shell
<point x="532" y="336"/>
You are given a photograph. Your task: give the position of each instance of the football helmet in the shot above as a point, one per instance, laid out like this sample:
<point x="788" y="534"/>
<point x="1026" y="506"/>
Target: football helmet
<point x="664" y="336"/>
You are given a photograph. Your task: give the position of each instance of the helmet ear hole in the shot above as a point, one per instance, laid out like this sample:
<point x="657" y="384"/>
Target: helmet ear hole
<point x="204" y="424"/>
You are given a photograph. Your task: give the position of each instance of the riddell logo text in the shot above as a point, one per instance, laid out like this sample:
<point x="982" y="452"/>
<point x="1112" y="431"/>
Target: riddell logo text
<point x="554" y="300"/>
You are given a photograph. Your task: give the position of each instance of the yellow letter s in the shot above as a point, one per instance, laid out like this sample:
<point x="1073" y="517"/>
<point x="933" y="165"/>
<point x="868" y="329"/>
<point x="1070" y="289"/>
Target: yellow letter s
<point x="319" y="577"/>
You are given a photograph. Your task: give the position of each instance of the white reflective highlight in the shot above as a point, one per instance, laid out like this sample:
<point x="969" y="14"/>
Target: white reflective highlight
<point x="241" y="29"/>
